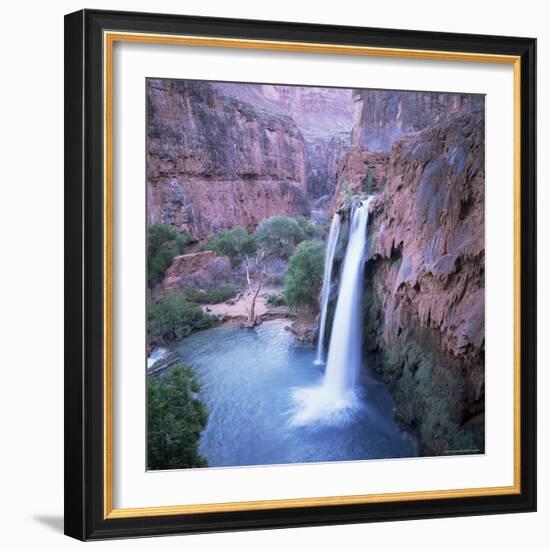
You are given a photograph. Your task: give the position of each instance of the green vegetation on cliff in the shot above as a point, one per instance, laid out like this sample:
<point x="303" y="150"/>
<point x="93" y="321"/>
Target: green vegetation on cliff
<point x="164" y="242"/>
<point x="424" y="392"/>
<point x="368" y="182"/>
<point x="428" y="387"/>
<point x="304" y="276"/>
<point x="175" y="419"/>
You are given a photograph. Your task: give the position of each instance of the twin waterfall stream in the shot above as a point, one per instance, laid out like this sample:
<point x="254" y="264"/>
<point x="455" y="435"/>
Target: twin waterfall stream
<point x="334" y="233"/>
<point x="337" y="398"/>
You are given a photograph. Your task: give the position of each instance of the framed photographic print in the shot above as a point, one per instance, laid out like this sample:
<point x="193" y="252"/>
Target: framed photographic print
<point x="300" y="274"/>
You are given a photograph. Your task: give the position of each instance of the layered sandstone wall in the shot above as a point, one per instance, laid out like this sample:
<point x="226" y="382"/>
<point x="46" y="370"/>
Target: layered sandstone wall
<point x="214" y="162"/>
<point x="324" y="117"/>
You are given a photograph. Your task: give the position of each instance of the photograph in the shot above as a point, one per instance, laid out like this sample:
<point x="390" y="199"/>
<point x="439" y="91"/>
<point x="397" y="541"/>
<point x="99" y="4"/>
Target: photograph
<point x="300" y="271"/>
<point x="315" y="278"/>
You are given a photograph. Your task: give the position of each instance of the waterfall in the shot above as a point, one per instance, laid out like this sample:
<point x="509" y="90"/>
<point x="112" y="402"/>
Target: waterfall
<point x="344" y="355"/>
<point x="327" y="278"/>
<point x="337" y="398"/>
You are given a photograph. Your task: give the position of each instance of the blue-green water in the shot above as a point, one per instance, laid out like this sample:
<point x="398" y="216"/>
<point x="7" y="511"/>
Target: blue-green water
<point x="250" y="380"/>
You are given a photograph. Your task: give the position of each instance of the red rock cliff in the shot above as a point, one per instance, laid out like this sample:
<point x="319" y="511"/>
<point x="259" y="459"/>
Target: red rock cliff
<point x="383" y="116"/>
<point x="214" y="162"/>
<point x="424" y="327"/>
<point x="323" y="115"/>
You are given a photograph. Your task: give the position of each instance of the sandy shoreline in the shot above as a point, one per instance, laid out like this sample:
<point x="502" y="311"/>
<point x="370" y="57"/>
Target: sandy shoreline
<point x="237" y="309"/>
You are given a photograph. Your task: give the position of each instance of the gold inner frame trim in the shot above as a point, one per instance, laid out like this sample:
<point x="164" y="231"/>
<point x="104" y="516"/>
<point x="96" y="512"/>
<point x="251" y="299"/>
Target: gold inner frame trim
<point x="109" y="39"/>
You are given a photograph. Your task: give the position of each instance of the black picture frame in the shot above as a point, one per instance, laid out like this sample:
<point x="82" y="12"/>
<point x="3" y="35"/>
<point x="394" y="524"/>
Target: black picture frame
<point x="84" y="283"/>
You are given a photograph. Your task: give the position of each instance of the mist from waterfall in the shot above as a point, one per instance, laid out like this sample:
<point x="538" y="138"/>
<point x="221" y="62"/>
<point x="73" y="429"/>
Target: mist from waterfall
<point x="332" y="241"/>
<point x="338" y="397"/>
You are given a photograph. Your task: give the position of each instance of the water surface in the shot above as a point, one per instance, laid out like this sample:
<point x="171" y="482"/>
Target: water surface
<point x="250" y="379"/>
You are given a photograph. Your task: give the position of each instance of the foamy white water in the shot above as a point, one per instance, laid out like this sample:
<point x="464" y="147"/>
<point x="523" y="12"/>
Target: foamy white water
<point x="156" y="355"/>
<point x="336" y="400"/>
<point x="327" y="279"/>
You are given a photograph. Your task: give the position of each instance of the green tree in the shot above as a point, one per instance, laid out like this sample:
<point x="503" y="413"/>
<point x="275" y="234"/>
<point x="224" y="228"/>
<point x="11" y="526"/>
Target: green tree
<point x="164" y="242"/>
<point x="174" y="317"/>
<point x="304" y="276"/>
<point x="368" y="182"/>
<point x="279" y="235"/>
<point x="235" y="243"/>
<point x="311" y="229"/>
<point x="175" y="419"/>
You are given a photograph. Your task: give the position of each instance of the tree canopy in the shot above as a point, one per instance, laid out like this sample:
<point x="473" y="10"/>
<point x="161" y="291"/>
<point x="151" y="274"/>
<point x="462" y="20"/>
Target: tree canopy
<point x="174" y="317"/>
<point x="175" y="419"/>
<point x="235" y="243"/>
<point x="304" y="276"/>
<point x="279" y="235"/>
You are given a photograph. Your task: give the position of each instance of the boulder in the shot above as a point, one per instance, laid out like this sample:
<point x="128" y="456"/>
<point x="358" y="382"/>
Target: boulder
<point x="202" y="269"/>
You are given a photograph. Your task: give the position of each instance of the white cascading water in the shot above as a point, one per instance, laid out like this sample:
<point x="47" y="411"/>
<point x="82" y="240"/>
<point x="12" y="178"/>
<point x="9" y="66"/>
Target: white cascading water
<point x="344" y="354"/>
<point x="336" y="399"/>
<point x="327" y="279"/>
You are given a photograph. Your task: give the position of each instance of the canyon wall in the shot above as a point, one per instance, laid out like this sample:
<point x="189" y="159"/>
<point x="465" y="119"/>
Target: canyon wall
<point x="424" y="324"/>
<point x="324" y="157"/>
<point x="323" y="115"/>
<point x="352" y="174"/>
<point x="425" y="277"/>
<point x="214" y="162"/>
<point x="381" y="117"/>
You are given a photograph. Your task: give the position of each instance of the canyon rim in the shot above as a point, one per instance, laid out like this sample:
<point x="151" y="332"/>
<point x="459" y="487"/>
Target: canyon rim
<point x="315" y="274"/>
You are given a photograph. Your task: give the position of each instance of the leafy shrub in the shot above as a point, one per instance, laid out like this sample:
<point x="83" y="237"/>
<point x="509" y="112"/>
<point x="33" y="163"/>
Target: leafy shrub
<point x="213" y="296"/>
<point x="304" y="276"/>
<point x="276" y="300"/>
<point x="164" y="242"/>
<point x="311" y="229"/>
<point x="174" y="317"/>
<point x="235" y="243"/>
<point x="279" y="235"/>
<point x="175" y="419"/>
